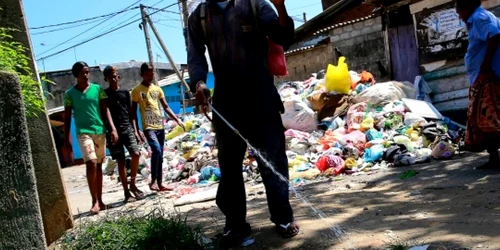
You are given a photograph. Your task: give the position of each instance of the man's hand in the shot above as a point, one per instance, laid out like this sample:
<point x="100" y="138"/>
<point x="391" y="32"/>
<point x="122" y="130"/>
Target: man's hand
<point x="68" y="152"/>
<point x="141" y="139"/>
<point x="202" y="95"/>
<point x="114" y="137"/>
<point x="179" y="122"/>
<point x="278" y="2"/>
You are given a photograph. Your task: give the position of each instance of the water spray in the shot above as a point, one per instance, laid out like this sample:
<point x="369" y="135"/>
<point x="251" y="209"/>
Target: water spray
<point x="337" y="231"/>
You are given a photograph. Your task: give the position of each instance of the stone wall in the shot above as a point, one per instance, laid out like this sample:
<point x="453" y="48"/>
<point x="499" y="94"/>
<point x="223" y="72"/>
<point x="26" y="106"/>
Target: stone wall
<point x="362" y="43"/>
<point x="302" y="64"/>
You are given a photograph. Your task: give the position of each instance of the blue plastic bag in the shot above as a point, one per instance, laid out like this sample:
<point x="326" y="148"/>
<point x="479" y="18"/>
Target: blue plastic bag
<point x="374" y="153"/>
<point x="373" y="134"/>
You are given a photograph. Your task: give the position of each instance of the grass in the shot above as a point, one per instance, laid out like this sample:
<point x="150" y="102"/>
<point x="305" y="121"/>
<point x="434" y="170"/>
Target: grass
<point x="129" y="231"/>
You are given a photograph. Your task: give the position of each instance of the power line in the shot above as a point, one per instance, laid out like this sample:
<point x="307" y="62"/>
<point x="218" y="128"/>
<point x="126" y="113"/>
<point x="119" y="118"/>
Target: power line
<point x="167" y="11"/>
<point x="101" y="35"/>
<point x="83" y="20"/>
<point x="64" y="28"/>
<point x="107" y="19"/>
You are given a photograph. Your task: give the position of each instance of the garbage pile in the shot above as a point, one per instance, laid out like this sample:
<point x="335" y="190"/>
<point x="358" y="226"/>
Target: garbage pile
<point x="338" y="122"/>
<point x="345" y="122"/>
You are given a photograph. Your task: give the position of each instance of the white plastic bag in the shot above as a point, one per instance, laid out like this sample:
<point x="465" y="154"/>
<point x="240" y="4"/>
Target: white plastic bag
<point x="412" y="119"/>
<point x="381" y="94"/>
<point x="298" y="116"/>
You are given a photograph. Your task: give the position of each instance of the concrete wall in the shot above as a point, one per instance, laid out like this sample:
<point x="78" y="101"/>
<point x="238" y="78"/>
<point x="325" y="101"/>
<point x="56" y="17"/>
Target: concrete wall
<point x="362" y="43"/>
<point x="64" y="80"/>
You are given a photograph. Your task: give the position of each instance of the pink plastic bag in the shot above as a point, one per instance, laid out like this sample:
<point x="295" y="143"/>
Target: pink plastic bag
<point x="276" y="60"/>
<point x="357" y="139"/>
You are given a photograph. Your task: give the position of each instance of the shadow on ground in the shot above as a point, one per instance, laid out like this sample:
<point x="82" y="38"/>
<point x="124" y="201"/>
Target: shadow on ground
<point x="448" y="204"/>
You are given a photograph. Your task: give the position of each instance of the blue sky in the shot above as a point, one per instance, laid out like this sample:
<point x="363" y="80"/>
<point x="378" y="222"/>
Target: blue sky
<point x="122" y="45"/>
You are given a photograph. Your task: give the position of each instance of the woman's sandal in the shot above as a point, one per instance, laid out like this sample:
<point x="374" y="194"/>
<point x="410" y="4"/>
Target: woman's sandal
<point x="289" y="230"/>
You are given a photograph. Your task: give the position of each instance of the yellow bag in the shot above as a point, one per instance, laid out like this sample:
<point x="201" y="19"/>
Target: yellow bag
<point x="367" y="124"/>
<point x="179" y="131"/>
<point x="338" y="78"/>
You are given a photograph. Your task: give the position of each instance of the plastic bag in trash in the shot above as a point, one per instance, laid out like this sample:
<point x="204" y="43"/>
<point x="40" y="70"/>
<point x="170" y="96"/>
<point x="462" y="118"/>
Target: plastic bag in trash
<point x="373" y="134"/>
<point x="331" y="161"/>
<point x="381" y="94"/>
<point x="412" y="119"/>
<point x="298" y="116"/>
<point x="356" y="138"/>
<point x="374" y="153"/>
<point x="338" y="78"/>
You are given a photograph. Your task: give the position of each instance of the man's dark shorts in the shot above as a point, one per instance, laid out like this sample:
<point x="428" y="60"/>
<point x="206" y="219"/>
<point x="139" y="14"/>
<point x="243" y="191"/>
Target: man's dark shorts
<point x="126" y="139"/>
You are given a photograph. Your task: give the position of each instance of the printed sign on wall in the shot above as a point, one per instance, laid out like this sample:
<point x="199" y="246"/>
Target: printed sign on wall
<point x="440" y="33"/>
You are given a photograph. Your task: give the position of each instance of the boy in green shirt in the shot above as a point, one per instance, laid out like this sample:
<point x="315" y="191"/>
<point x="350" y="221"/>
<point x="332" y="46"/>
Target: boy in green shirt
<point x="86" y="101"/>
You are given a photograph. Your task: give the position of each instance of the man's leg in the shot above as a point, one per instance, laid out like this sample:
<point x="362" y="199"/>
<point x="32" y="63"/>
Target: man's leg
<point x="128" y="139"/>
<point x="87" y="148"/>
<point x="155" y="156"/>
<point x="494" y="158"/>
<point x="100" y="149"/>
<point x="118" y="154"/>
<point x="231" y="196"/>
<point x="271" y="141"/>
<point x="160" y="136"/>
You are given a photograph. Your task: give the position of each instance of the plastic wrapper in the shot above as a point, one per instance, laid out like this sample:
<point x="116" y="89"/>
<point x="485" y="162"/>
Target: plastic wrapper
<point x="367" y="124"/>
<point x="355" y="116"/>
<point x="351" y="163"/>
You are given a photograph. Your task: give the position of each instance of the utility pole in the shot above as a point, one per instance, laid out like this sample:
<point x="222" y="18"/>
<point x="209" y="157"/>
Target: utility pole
<point x="169" y="56"/>
<point x="144" y="15"/>
<point x="184" y="17"/>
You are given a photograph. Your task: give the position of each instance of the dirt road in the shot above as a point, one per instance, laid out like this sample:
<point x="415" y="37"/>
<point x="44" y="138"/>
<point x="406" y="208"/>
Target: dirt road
<point x="447" y="204"/>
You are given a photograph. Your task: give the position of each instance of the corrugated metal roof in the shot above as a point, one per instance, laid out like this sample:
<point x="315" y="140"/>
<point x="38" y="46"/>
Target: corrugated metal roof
<point x="171" y="79"/>
<point x="137" y="64"/>
<point x="338" y="25"/>
<point x="300" y="49"/>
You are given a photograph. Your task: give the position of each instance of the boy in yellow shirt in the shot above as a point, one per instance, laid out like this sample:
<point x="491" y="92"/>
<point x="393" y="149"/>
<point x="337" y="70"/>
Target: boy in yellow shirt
<point x="146" y="95"/>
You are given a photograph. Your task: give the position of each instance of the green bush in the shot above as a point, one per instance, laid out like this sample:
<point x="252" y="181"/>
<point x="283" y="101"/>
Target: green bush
<point x="13" y="58"/>
<point x="151" y="232"/>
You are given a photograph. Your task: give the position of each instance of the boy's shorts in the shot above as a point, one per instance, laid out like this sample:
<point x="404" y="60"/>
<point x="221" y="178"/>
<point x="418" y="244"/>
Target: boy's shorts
<point x="125" y="139"/>
<point x="93" y="147"/>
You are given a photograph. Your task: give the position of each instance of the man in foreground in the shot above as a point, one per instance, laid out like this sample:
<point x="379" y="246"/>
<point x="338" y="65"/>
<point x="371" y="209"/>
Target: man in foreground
<point x="147" y="96"/>
<point x="120" y="105"/>
<point x="246" y="96"/>
<point x="87" y="102"/>
<point x="482" y="63"/>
